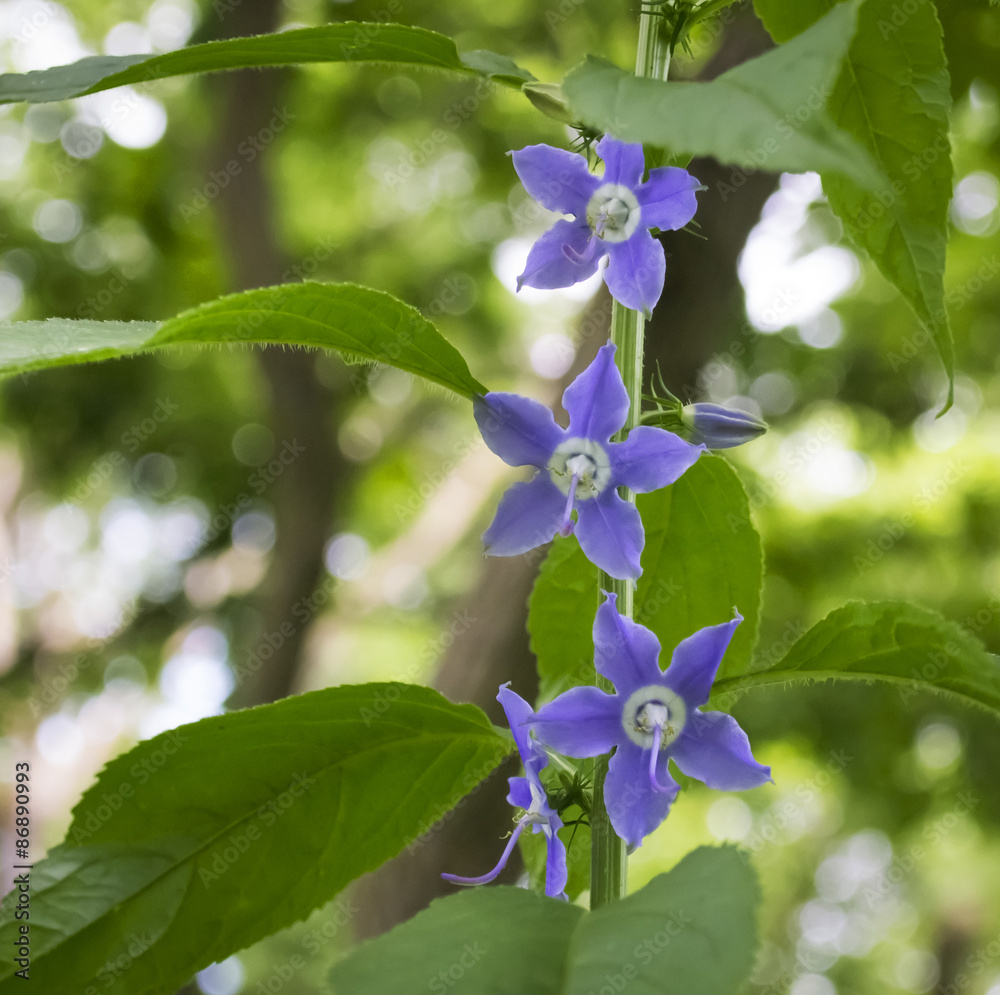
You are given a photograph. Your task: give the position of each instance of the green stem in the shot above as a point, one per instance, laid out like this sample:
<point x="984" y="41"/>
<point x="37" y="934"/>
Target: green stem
<point x="608" y="858"/>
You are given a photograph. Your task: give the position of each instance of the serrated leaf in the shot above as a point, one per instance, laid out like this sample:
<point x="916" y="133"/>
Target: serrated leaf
<point x="767" y="113"/>
<point x="902" y="644"/>
<point x="209" y="837"/>
<point x="358" y="322"/>
<point x="561" y="613"/>
<point x="892" y="96"/>
<point x="691" y="931"/>
<point x="702" y="559"/>
<point x="352" y="41"/>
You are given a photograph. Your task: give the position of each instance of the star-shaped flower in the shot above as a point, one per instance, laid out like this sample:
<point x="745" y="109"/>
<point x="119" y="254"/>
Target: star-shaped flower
<point x="527" y="793"/>
<point x="579" y="468"/>
<point x="612" y="215"/>
<point x="654" y="717"/>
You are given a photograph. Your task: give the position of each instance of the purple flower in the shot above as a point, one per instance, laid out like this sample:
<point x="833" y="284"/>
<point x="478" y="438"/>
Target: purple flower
<point x="612" y="215"/>
<point x="653" y="717"/>
<point x="580" y="468"/>
<point x="719" y="427"/>
<point x="528" y="793"/>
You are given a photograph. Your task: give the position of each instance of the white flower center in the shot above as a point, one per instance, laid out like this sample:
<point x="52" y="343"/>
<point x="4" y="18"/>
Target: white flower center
<point x="613" y="212"/>
<point x="584" y="459"/>
<point x="649" y="707"/>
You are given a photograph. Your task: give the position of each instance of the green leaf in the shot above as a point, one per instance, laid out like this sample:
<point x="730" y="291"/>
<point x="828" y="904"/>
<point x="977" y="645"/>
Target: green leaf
<point x="764" y="114"/>
<point x="893" y="98"/>
<point x="357" y="322"/>
<point x="702" y="559"/>
<point x="561" y="613"/>
<point x="352" y="41"/>
<point x="692" y="931"/>
<point x="902" y="644"/>
<point x="484" y="941"/>
<point x="207" y="838"/>
<point x="689" y="931"/>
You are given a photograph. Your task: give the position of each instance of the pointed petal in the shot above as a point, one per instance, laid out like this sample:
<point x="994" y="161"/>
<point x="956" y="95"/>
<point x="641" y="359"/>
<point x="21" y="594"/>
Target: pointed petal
<point x="522" y="432"/>
<point x="611" y="534"/>
<point x="667" y="198"/>
<point x="519" y="792"/>
<point x="556" y="869"/>
<point x="696" y="660"/>
<point x="626" y="653"/>
<point x="596" y="401"/>
<point x="634" y="807"/>
<point x="651" y="458"/>
<point x="563" y="256"/>
<point x="714" y="749"/>
<point x="582" y="722"/>
<point x="529" y="515"/>
<point x="624" y="163"/>
<point x="636" y="271"/>
<point x="557" y="179"/>
<point x="501" y="864"/>
<point x="518" y="712"/>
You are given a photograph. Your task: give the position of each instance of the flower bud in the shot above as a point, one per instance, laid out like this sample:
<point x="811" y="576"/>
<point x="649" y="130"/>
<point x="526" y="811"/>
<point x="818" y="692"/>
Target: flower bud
<point x="719" y="427"/>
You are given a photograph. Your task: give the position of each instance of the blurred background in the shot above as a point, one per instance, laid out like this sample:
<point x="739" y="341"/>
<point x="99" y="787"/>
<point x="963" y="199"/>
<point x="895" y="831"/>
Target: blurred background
<point x="209" y="529"/>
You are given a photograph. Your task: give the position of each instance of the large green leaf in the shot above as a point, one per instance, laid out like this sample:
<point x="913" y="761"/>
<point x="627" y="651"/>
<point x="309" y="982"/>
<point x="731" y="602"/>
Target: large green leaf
<point x="689" y="932"/>
<point x="893" y="98"/>
<point x="702" y="558"/>
<point x="358" y="322"/>
<point x="765" y="114"/>
<point x="912" y="647"/>
<point x="561" y="613"/>
<point x="204" y="839"/>
<point x="353" y="41"/>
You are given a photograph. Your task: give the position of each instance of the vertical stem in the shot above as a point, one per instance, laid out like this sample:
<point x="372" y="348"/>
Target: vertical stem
<point x="608" y="858"/>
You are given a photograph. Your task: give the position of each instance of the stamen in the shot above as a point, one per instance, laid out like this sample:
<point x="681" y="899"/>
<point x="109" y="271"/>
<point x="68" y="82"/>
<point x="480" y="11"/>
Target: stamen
<point x="567" y="523"/>
<point x="653" y="754"/>
<point x="580" y="258"/>
<point x="504" y="857"/>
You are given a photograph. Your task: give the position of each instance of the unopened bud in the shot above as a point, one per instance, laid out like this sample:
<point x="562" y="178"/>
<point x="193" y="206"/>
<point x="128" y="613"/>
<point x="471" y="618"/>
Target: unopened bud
<point x="719" y="427"/>
<point x="549" y="99"/>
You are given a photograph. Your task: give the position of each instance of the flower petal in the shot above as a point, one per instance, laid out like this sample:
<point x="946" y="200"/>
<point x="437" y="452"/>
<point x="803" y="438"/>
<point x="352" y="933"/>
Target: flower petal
<point x="529" y="515"/>
<point x="519" y="792"/>
<point x="634" y="808"/>
<point x="556" y="870"/>
<point x="581" y="722"/>
<point x="714" y="749"/>
<point x="611" y="534"/>
<point x="696" y="660"/>
<point x="624" y="163"/>
<point x="636" y="271"/>
<point x="564" y="255"/>
<point x="651" y="458"/>
<point x="596" y="401"/>
<point x="626" y="653"/>
<point x="518" y="712"/>
<point x="521" y="431"/>
<point x="557" y="179"/>
<point x="667" y="198"/>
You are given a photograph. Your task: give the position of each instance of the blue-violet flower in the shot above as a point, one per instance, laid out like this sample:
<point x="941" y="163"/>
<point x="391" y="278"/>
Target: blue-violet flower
<point x="612" y="215"/>
<point x="528" y="793"/>
<point x="579" y="468"/>
<point x="653" y="717"/>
